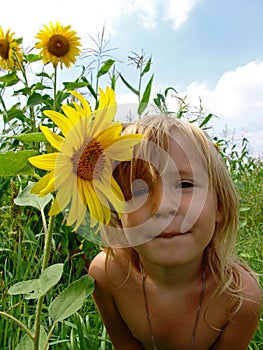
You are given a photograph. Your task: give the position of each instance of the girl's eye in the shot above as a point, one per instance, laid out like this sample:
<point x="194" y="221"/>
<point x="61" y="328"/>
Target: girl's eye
<point x="140" y="191"/>
<point x="185" y="184"/>
<point x="139" y="188"/>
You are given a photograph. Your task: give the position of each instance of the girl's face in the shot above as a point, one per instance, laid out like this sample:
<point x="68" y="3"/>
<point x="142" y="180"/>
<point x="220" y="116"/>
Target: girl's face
<point x="172" y="220"/>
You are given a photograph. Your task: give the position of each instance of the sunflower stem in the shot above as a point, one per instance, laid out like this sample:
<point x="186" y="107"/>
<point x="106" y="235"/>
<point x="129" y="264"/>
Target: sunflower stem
<point x="55" y="88"/>
<point x="46" y="256"/>
<point x="31" y="109"/>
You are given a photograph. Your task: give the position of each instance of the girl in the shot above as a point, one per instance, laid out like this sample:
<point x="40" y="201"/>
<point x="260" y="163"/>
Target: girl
<point x="168" y="278"/>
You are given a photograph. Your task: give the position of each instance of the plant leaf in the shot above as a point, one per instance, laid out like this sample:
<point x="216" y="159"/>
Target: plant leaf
<point x="33" y="137"/>
<point x="24" y="287"/>
<point x="16" y="163"/>
<point x="26" y="198"/>
<point x="146" y="96"/>
<point x="71" y="299"/>
<point x="206" y="120"/>
<point x="147" y="67"/>
<point x="26" y="342"/>
<point x="50" y="276"/>
<point x="136" y="92"/>
<point x="105" y="67"/>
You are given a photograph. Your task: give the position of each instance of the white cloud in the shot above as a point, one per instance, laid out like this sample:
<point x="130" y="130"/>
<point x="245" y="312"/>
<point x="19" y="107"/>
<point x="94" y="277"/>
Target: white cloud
<point x="178" y="11"/>
<point x="236" y="99"/>
<point x="88" y="17"/>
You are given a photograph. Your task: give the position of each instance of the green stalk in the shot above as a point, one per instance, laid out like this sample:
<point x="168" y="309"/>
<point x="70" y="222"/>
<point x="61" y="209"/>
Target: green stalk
<point x="18" y="322"/>
<point x="46" y="255"/>
<point x="55" y="88"/>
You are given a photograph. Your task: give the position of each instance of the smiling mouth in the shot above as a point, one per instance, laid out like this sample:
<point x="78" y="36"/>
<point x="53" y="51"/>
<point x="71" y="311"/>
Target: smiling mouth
<point x="169" y="234"/>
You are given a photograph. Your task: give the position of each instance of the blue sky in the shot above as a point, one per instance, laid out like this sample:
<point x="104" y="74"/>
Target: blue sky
<point x="206" y="49"/>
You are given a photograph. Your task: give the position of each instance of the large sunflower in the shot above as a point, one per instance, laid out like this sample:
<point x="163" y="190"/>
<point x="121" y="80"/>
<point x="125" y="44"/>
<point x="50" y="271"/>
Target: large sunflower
<point x="58" y="44"/>
<point x="81" y="171"/>
<point x="11" y="55"/>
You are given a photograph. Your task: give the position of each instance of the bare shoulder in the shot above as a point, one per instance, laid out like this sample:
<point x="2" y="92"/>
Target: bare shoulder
<point x="246" y="319"/>
<point x="251" y="290"/>
<point x="105" y="269"/>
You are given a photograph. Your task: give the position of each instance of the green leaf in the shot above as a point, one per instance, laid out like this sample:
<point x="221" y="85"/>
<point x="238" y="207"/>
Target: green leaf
<point x="206" y="120"/>
<point x="105" y="67"/>
<point x="34" y="99"/>
<point x="26" y="198"/>
<point x="33" y="58"/>
<point x="24" y="287"/>
<point x="33" y="137"/>
<point x="136" y="92"/>
<point x="26" y="342"/>
<point x="48" y="278"/>
<point x="168" y="89"/>
<point x="147" y="67"/>
<point x="89" y="86"/>
<point x="16" y="163"/>
<point x="146" y="96"/>
<point x="74" y="85"/>
<point x="34" y="289"/>
<point x="71" y="299"/>
<point x="9" y="79"/>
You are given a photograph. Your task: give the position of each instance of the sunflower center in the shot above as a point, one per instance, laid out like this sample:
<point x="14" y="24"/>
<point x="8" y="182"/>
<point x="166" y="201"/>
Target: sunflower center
<point x="58" y="45"/>
<point x="88" y="162"/>
<point x="4" y="48"/>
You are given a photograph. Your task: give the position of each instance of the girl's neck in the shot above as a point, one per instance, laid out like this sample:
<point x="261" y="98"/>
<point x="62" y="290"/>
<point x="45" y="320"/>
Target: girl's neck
<point x="173" y="276"/>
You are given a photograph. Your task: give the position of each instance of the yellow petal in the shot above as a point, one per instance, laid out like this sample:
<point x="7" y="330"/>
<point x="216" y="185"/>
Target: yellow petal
<point x="121" y="148"/>
<point x="71" y="113"/>
<point x="102" y="119"/>
<point x="109" y="195"/>
<point x="84" y="102"/>
<point x="44" y="161"/>
<point x="55" y="208"/>
<point x="95" y="206"/>
<point x="63" y="197"/>
<point x="64" y="176"/>
<point x="54" y="139"/>
<point x="64" y="124"/>
<point x="107" y="136"/>
<point x="77" y="210"/>
<point x="45" y="185"/>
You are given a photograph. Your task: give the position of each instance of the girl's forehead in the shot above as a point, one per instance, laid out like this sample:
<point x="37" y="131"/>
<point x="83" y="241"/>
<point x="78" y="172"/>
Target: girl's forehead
<point x="184" y="150"/>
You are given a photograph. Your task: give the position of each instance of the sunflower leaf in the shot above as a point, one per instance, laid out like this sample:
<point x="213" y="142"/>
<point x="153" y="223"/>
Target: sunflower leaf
<point x="16" y="163"/>
<point x="27" y="343"/>
<point x="26" y="198"/>
<point x="24" y="287"/>
<point x="71" y="299"/>
<point x="33" y="137"/>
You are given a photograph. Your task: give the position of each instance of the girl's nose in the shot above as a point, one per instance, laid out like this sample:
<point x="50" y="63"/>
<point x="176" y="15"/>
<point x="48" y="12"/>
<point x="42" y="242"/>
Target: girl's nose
<point x="166" y="205"/>
<point x="164" y="213"/>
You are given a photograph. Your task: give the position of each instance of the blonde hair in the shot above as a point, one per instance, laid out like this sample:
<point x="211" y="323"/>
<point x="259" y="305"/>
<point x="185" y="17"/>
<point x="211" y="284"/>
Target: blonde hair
<point x="219" y="254"/>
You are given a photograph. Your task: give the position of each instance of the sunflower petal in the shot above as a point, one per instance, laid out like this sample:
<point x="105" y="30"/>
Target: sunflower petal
<point x="45" y="185"/>
<point x="121" y="148"/>
<point x="44" y="161"/>
<point x="71" y="113"/>
<point x="64" y="124"/>
<point x="54" y="139"/>
<point x="107" y="136"/>
<point x="84" y="102"/>
<point x="77" y="210"/>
